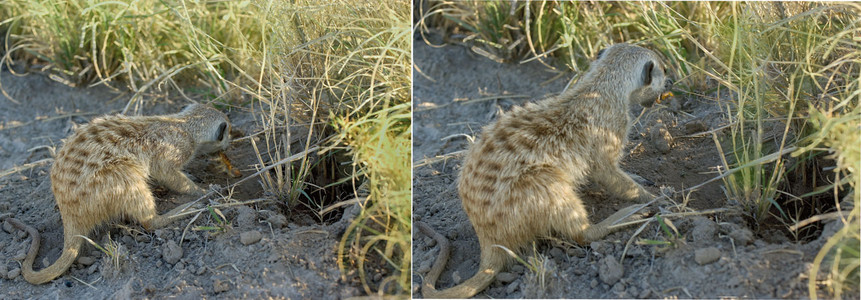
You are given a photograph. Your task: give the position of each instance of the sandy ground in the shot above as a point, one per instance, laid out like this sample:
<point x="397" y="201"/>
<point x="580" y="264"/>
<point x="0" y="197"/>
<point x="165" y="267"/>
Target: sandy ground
<point x="293" y="258"/>
<point x="456" y="92"/>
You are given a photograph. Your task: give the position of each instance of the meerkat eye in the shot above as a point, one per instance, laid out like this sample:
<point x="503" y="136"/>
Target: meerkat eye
<point x="222" y="128"/>
<point x="647" y="73"/>
<point x="601" y="52"/>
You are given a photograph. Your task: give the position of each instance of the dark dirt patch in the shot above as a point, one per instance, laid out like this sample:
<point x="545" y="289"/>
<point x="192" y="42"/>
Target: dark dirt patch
<point x="288" y="254"/>
<point x="735" y="261"/>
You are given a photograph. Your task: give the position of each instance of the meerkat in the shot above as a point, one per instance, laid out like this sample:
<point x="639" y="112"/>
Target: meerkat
<point x="103" y="171"/>
<point x="520" y="179"/>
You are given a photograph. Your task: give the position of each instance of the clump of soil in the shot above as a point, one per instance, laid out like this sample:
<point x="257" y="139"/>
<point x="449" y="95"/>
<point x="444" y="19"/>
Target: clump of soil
<point x="456" y="92"/>
<point x="259" y="250"/>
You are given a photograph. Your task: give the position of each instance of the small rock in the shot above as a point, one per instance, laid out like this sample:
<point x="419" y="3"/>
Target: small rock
<point x="618" y="288"/>
<point x="247" y="217"/>
<point x="7" y="227"/>
<point x="171" y="253"/>
<point x="13" y="273"/>
<point x="704" y="229"/>
<point x="128" y="240"/>
<point x="742" y="236"/>
<point x="142" y="238"/>
<point x="219" y="285"/>
<point x="277" y="220"/>
<point x="250" y="237"/>
<point x="430" y="242"/>
<point x="632" y="290"/>
<point x="599" y="247"/>
<point x="4" y="271"/>
<point x="518" y="268"/>
<point x="424" y="267"/>
<point x="706" y="255"/>
<point x="594" y="283"/>
<point x="558" y="254"/>
<point x="506" y="277"/>
<point x="609" y="270"/>
<point x="378" y="277"/>
<point x="576" y="252"/>
<point x="86" y="260"/>
<point x="695" y="126"/>
<point x="511" y="288"/>
<point x="455" y="277"/>
<point x="661" y="138"/>
<point x="645" y="294"/>
<point x="164" y="234"/>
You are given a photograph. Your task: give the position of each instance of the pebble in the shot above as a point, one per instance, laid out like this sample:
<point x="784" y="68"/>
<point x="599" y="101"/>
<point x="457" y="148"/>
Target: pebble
<point x="594" y="283"/>
<point x="7" y="227"/>
<point x="618" y="288"/>
<point x="645" y="294"/>
<point x="424" y="267"/>
<point x="250" y="237"/>
<point x="609" y="270"/>
<point x="576" y="252"/>
<point x="142" y="238"/>
<point x="21" y="255"/>
<point x="506" y="277"/>
<point x="247" y="217"/>
<point x="511" y="288"/>
<point x="128" y="240"/>
<point x="219" y="285"/>
<point x="704" y="229"/>
<point x="277" y="220"/>
<point x="455" y="277"/>
<point x="86" y="260"/>
<point x="706" y="255"/>
<point x="695" y="126"/>
<point x="632" y="290"/>
<point x="599" y="247"/>
<point x="661" y="138"/>
<point x="171" y="253"/>
<point x="3" y="271"/>
<point x="742" y="236"/>
<point x="13" y="273"/>
<point x="558" y="254"/>
<point x="378" y="277"/>
<point x="518" y="268"/>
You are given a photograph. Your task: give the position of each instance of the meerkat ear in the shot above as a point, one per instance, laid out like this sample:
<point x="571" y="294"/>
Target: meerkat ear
<point x="222" y="128"/>
<point x="647" y="72"/>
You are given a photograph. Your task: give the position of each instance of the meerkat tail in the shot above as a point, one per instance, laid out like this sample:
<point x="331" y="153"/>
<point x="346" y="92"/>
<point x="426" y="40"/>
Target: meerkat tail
<point x="429" y="281"/>
<point x="491" y="264"/>
<point x="70" y="253"/>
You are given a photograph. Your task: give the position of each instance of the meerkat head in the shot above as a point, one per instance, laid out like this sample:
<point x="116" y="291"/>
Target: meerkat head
<point x="209" y="127"/>
<point x="641" y="71"/>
